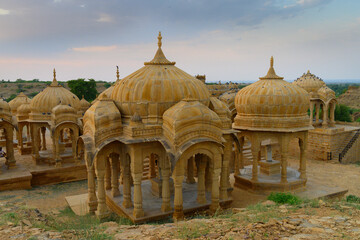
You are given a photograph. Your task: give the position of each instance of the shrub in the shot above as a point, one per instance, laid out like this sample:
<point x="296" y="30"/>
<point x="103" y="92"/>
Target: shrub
<point x="342" y="113"/>
<point x="107" y="85"/>
<point x="353" y="199"/>
<point x="12" y="96"/>
<point x="283" y="198"/>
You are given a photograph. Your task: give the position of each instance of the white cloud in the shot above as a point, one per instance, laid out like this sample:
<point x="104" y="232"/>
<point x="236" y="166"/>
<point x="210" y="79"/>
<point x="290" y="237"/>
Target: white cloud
<point x="104" y="18"/>
<point x="94" y="48"/>
<point x="4" y="12"/>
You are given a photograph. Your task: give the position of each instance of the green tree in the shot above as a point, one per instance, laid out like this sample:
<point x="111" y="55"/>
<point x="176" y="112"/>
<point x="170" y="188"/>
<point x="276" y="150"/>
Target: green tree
<point x="80" y="88"/>
<point x="342" y="113"/>
<point x="12" y="96"/>
<point x="107" y="85"/>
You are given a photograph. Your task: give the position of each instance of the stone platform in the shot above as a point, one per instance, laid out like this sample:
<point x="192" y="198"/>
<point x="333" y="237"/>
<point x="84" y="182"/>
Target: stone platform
<point x="24" y="177"/>
<point x="152" y="204"/>
<point x="268" y="183"/>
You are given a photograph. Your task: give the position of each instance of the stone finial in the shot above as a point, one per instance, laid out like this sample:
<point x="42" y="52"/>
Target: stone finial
<point x="117" y="73"/>
<point x="82" y="96"/>
<point x="159" y="40"/>
<point x="271" y="73"/>
<point x="308" y="72"/>
<point x="54" y="82"/>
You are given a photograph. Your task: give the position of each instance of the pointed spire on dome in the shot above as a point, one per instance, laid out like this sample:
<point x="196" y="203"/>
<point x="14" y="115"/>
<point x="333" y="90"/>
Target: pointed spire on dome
<point x="54" y="82"/>
<point x="271" y="73"/>
<point x="117" y="73"/>
<point x="159" y="40"/>
<point x="159" y="58"/>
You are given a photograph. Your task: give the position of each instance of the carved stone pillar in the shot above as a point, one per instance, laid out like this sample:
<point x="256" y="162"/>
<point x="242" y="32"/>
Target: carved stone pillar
<point x="241" y="154"/>
<point x="102" y="210"/>
<point x="178" y="198"/>
<point x="317" y="112"/>
<point x="126" y="184"/>
<point x="284" y="156"/>
<point x="74" y="138"/>
<point x="224" y="178"/>
<point x="256" y="153"/>
<point x="10" y="159"/>
<point x="20" y="136"/>
<point x="302" y="169"/>
<point x="201" y="165"/>
<point x="114" y="175"/>
<point x="35" y="143"/>
<point x="108" y="174"/>
<point x="62" y="135"/>
<point x="92" y="200"/>
<point x="152" y="166"/>
<point x="325" y="115"/>
<point x="165" y="207"/>
<point x="208" y="175"/>
<point x="190" y="171"/>
<point x="332" y="114"/>
<point x="28" y="135"/>
<point x="311" y="112"/>
<point x="138" y="210"/>
<point x="215" y="190"/>
<point x="43" y="131"/>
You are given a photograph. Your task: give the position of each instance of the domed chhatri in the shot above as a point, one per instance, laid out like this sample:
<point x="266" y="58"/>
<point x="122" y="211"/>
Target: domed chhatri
<point x="53" y="95"/>
<point x="160" y="121"/>
<point x="156" y="87"/>
<point x="17" y="101"/>
<point x="321" y="98"/>
<point x="271" y="111"/>
<point x="55" y="109"/>
<point x="271" y="104"/>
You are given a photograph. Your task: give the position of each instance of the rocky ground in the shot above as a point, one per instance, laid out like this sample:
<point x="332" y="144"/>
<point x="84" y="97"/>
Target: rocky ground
<point x="41" y="213"/>
<point x="314" y="219"/>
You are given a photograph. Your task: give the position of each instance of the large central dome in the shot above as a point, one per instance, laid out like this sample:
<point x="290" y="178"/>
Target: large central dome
<point x="156" y="87"/>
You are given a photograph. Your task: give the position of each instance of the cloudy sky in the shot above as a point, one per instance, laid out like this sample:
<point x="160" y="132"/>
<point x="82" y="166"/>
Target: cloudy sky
<point x="228" y="40"/>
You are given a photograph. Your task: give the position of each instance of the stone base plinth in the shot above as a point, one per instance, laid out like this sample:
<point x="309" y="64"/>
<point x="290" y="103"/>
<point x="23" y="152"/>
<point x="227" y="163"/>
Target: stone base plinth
<point x="269" y="183"/>
<point x="25" y="150"/>
<point x="156" y="187"/>
<point x="270" y="168"/>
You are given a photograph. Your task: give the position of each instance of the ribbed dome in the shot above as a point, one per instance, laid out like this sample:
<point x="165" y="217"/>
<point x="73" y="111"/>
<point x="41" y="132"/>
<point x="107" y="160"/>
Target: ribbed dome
<point x="43" y="103"/>
<point x="326" y="93"/>
<point x="16" y="102"/>
<point x="272" y="104"/>
<point x="5" y="110"/>
<point x="84" y="105"/>
<point x="23" y="110"/>
<point x="156" y="87"/>
<point x="309" y="82"/>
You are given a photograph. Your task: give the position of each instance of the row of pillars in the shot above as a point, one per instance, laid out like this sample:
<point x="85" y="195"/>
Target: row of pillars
<point x="256" y="154"/>
<point x="108" y="178"/>
<point x="326" y="118"/>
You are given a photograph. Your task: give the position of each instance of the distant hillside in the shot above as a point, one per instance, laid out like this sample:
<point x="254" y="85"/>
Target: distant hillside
<point x="31" y="88"/>
<point x="351" y="97"/>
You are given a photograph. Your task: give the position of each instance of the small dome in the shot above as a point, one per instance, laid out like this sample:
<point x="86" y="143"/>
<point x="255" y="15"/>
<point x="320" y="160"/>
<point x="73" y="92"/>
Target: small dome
<point x="43" y="103"/>
<point x="84" y="105"/>
<point x="63" y="113"/>
<point x="5" y="112"/>
<point x="155" y="88"/>
<point x="16" y="102"/>
<point x="229" y="99"/>
<point x="189" y="116"/>
<point x="326" y="93"/>
<point x="309" y="82"/>
<point x="102" y="120"/>
<point x="24" y="110"/>
<point x="272" y="104"/>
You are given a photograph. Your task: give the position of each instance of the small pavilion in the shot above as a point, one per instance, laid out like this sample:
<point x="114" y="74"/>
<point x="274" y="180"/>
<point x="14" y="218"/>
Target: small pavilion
<point x="274" y="110"/>
<point x="322" y="100"/>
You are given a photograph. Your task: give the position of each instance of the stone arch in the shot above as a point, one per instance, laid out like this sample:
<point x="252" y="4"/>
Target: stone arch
<point x="214" y="152"/>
